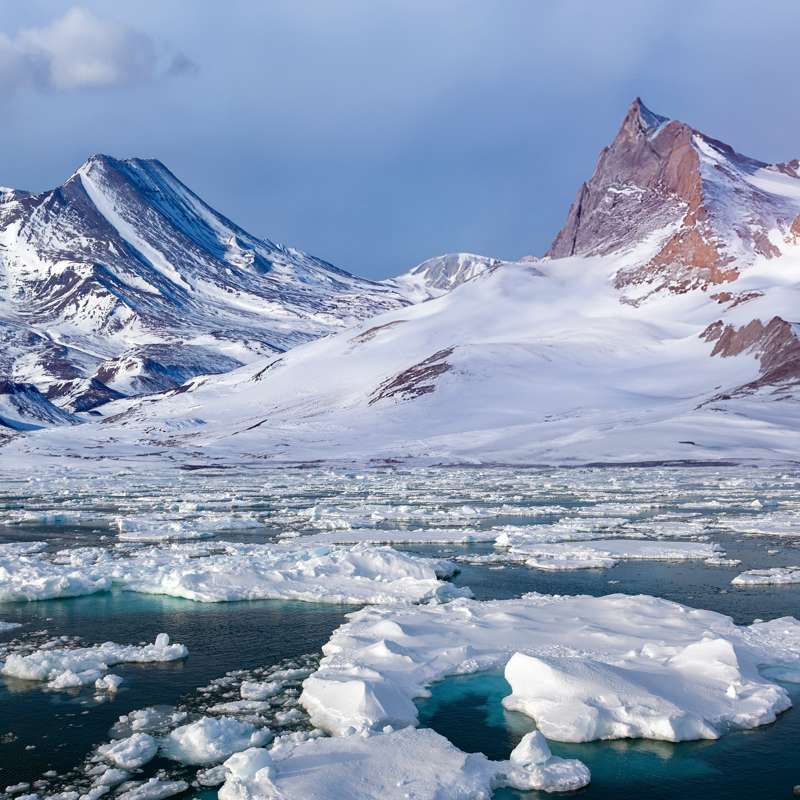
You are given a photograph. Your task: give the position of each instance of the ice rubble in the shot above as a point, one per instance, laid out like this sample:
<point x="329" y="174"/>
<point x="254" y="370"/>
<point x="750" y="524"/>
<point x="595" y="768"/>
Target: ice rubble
<point x="69" y="668"/>
<point x="763" y="577"/>
<point x="395" y="765"/>
<point x="222" y="571"/>
<point x="382" y="658"/>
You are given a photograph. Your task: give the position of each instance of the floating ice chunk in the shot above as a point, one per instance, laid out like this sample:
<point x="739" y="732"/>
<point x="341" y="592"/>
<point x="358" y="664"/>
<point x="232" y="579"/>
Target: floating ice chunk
<point x="113" y="776"/>
<point x="252" y="690"/>
<point x="154" y="789"/>
<point x="210" y="740"/>
<point x="65" y="668"/>
<point x="533" y="766"/>
<point x="130" y="753"/>
<point x="213" y="776"/>
<point x="9" y="626"/>
<point x="763" y="577"/>
<point x="108" y="683"/>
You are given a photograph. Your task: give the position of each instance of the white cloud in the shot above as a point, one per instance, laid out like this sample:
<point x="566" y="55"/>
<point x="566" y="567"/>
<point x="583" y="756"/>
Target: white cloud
<point x="83" y="51"/>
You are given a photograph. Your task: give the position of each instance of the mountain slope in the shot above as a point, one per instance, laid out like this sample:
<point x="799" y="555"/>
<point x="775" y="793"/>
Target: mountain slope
<point x="123" y="281"/>
<point x="629" y="348"/>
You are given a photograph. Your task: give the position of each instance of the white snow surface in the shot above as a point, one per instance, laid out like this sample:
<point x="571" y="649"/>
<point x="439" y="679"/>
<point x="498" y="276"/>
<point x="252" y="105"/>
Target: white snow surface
<point x="396" y="765"/>
<point x="382" y="658"/>
<point x="69" y="668"/>
<point x="211" y="740"/>
<point x="544" y="365"/>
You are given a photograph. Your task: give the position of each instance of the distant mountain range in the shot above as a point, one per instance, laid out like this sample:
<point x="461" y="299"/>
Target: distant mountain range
<point x="124" y="282"/>
<point x="661" y="324"/>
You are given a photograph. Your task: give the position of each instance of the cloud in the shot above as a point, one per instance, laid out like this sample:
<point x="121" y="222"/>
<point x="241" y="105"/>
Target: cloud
<point x="82" y="51"/>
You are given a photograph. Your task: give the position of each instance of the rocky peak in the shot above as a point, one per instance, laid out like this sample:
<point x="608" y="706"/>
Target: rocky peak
<point x="709" y="210"/>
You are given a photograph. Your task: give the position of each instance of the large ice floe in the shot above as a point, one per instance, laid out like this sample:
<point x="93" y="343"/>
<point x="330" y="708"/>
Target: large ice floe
<point x="223" y="571"/>
<point x="582" y="667"/>
<point x="73" y="667"/>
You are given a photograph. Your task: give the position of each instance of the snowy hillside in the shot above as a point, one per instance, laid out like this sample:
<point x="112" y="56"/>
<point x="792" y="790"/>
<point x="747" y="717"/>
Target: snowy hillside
<point x="662" y="326"/>
<point x="123" y="281"/>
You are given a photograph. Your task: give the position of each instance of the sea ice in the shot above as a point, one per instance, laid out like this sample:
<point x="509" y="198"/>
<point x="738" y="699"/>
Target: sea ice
<point x="601" y="553"/>
<point x="763" y="577"/>
<point x="222" y="571"/>
<point x="66" y="668"/>
<point x="211" y="739"/>
<point x="154" y="789"/>
<point x="383" y="658"/>
<point x="130" y="753"/>
<point x="395" y="765"/>
<point x="658" y="692"/>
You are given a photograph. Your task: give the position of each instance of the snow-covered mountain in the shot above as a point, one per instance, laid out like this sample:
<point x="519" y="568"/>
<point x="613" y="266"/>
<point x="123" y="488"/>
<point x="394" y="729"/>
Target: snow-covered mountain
<point x="662" y="325"/>
<point x="123" y="281"/>
<point x="441" y="274"/>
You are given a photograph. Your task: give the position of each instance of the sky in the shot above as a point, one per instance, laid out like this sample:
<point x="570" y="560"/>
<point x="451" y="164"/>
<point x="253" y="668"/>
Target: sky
<point x="377" y="133"/>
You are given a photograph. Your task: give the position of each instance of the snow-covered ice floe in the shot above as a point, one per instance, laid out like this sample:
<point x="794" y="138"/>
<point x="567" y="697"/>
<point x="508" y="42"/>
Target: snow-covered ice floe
<point x="70" y="668"/>
<point x="393" y="766"/>
<point x="225" y="571"/>
<point x="583" y="667"/>
<point x="210" y="740"/>
<point x="764" y="577"/>
<point x="598" y="553"/>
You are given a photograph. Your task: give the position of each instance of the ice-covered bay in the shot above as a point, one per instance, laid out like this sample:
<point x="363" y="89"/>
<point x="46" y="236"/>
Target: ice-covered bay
<point x="264" y="531"/>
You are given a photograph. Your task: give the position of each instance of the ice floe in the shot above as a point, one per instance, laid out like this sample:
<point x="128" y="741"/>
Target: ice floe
<point x="130" y="753"/>
<point x="395" y="765"/>
<point x="211" y="739"/>
<point x="224" y="571"/>
<point x="383" y="658"/>
<point x="764" y="577"/>
<point x="600" y="553"/>
<point x="69" y="668"/>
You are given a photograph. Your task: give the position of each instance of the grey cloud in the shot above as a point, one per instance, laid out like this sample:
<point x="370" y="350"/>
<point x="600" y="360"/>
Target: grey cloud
<point x="81" y="50"/>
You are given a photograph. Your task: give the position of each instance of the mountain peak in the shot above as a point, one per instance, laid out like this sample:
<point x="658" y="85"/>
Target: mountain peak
<point x="705" y="210"/>
<point x="641" y="118"/>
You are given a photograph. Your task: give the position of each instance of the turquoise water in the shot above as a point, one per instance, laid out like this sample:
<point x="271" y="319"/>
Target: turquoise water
<point x="761" y="763"/>
<point x="55" y="730"/>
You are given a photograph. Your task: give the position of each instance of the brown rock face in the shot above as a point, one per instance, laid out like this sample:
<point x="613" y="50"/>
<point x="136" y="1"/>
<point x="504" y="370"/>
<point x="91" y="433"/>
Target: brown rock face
<point x="662" y="177"/>
<point x="775" y="345"/>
